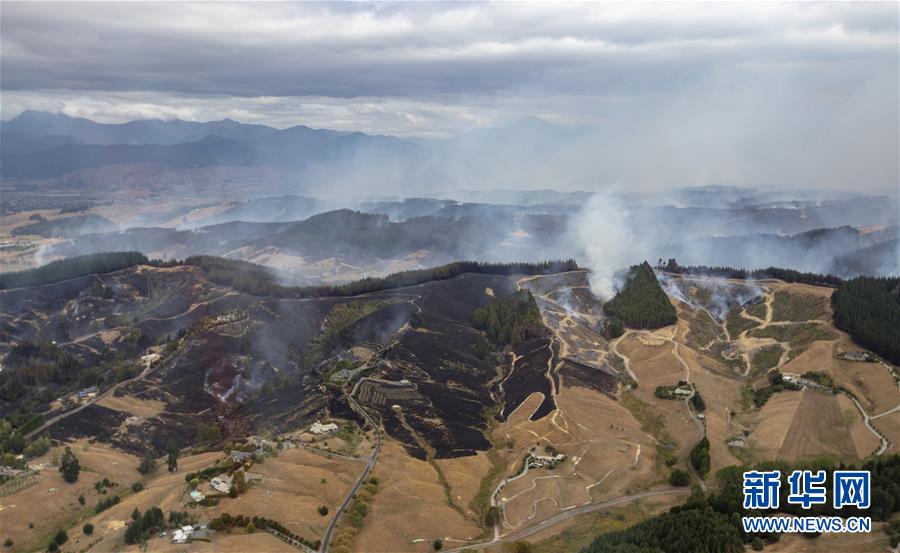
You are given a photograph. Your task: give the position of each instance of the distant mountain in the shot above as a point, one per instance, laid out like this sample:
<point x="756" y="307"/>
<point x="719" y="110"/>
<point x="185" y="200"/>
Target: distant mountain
<point x="72" y="157"/>
<point x="13" y="142"/>
<point x="148" y="131"/>
<point x="43" y="145"/>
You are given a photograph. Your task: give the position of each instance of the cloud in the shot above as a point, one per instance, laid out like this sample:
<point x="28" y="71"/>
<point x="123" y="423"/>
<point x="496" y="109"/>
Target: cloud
<point x="796" y="93"/>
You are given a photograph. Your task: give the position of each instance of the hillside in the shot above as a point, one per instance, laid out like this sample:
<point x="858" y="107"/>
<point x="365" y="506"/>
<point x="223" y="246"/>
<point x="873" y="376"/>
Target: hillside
<point x="458" y="369"/>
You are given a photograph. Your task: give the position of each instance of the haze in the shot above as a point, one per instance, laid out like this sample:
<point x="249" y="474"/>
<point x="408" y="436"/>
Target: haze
<point x="768" y="95"/>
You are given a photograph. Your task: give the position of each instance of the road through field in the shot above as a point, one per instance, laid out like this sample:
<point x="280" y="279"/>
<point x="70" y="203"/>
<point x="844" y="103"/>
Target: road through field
<point x="562" y="517"/>
<point x="370" y="464"/>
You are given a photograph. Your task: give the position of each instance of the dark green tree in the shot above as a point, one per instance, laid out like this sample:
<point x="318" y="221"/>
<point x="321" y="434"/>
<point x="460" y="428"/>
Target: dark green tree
<point x="69" y="466"/>
<point x="172" y="455"/>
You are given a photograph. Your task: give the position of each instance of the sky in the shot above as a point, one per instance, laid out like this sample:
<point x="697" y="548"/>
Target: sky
<point x="761" y="93"/>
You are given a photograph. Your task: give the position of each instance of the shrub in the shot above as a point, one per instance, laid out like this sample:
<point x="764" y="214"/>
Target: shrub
<point x="88" y="529"/>
<point x="437" y="544"/>
<point x="323" y="510"/>
<point x="679" y="477"/>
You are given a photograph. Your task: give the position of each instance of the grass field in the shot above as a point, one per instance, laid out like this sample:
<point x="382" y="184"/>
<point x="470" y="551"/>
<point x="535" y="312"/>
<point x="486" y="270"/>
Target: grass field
<point x="791" y="306"/>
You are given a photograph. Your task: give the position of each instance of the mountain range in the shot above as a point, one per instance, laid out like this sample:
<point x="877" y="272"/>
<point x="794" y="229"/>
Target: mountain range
<point x="43" y="145"/>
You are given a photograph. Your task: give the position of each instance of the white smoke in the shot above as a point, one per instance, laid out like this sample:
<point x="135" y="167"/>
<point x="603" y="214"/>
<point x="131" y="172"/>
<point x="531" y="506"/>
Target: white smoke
<point x="604" y="231"/>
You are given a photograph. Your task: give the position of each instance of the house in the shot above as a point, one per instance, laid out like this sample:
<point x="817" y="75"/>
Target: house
<point x="683" y="392"/>
<point x="150" y="358"/>
<point x="183" y="534"/>
<point x="538" y="461"/>
<point x="222" y="483"/>
<point x="260" y="442"/>
<point x="88" y="392"/>
<point x="240" y="456"/>
<point x="856" y="356"/>
<point x="197" y="496"/>
<point x="319" y="429"/>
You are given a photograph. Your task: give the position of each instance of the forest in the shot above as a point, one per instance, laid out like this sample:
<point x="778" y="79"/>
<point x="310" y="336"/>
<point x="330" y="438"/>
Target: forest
<point x="510" y="320"/>
<point x="31" y="365"/>
<point x="72" y="267"/>
<point x="712" y="523"/>
<point x="641" y="303"/>
<point x="868" y="309"/>
<point x="681" y="530"/>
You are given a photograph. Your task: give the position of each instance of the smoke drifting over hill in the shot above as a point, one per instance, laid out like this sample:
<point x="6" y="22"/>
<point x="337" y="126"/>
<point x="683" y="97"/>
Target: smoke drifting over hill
<point x="611" y="234"/>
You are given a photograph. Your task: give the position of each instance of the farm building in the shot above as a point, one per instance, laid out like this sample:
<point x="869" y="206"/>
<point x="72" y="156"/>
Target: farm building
<point x="90" y="392"/>
<point x="319" y="429"/>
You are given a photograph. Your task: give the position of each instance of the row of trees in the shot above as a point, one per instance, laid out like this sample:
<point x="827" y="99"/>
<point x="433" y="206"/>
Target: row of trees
<point x="699" y="458"/>
<point x="868" y="309"/>
<point x="72" y="267"/>
<point x="510" y="320"/>
<point x="641" y="303"/>
<point x="258" y="280"/>
<point x="787" y="275"/>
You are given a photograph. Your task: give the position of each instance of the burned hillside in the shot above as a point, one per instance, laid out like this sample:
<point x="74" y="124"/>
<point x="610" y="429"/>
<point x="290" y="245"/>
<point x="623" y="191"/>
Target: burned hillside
<point x="214" y="362"/>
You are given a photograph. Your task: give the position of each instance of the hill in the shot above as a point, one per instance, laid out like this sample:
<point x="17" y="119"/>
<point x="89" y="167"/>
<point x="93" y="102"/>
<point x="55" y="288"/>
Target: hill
<point x="641" y="303"/>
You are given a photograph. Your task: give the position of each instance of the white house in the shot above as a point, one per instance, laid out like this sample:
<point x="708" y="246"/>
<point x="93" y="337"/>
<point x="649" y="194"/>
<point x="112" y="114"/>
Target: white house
<point x="538" y="461"/>
<point x="183" y="534"/>
<point x="318" y="428"/>
<point x="222" y="483"/>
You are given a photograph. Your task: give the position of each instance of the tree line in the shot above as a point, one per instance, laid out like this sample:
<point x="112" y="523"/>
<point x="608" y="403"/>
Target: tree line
<point x="258" y="280"/>
<point x="72" y="267"/>
<point x="787" y="275"/>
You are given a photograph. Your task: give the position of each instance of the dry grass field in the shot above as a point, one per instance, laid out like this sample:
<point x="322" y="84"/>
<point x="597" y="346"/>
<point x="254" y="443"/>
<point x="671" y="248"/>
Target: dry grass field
<point x="410" y="509"/>
<point x="136" y="406"/>
<point x="51" y="503"/>
<point x="297" y="483"/>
